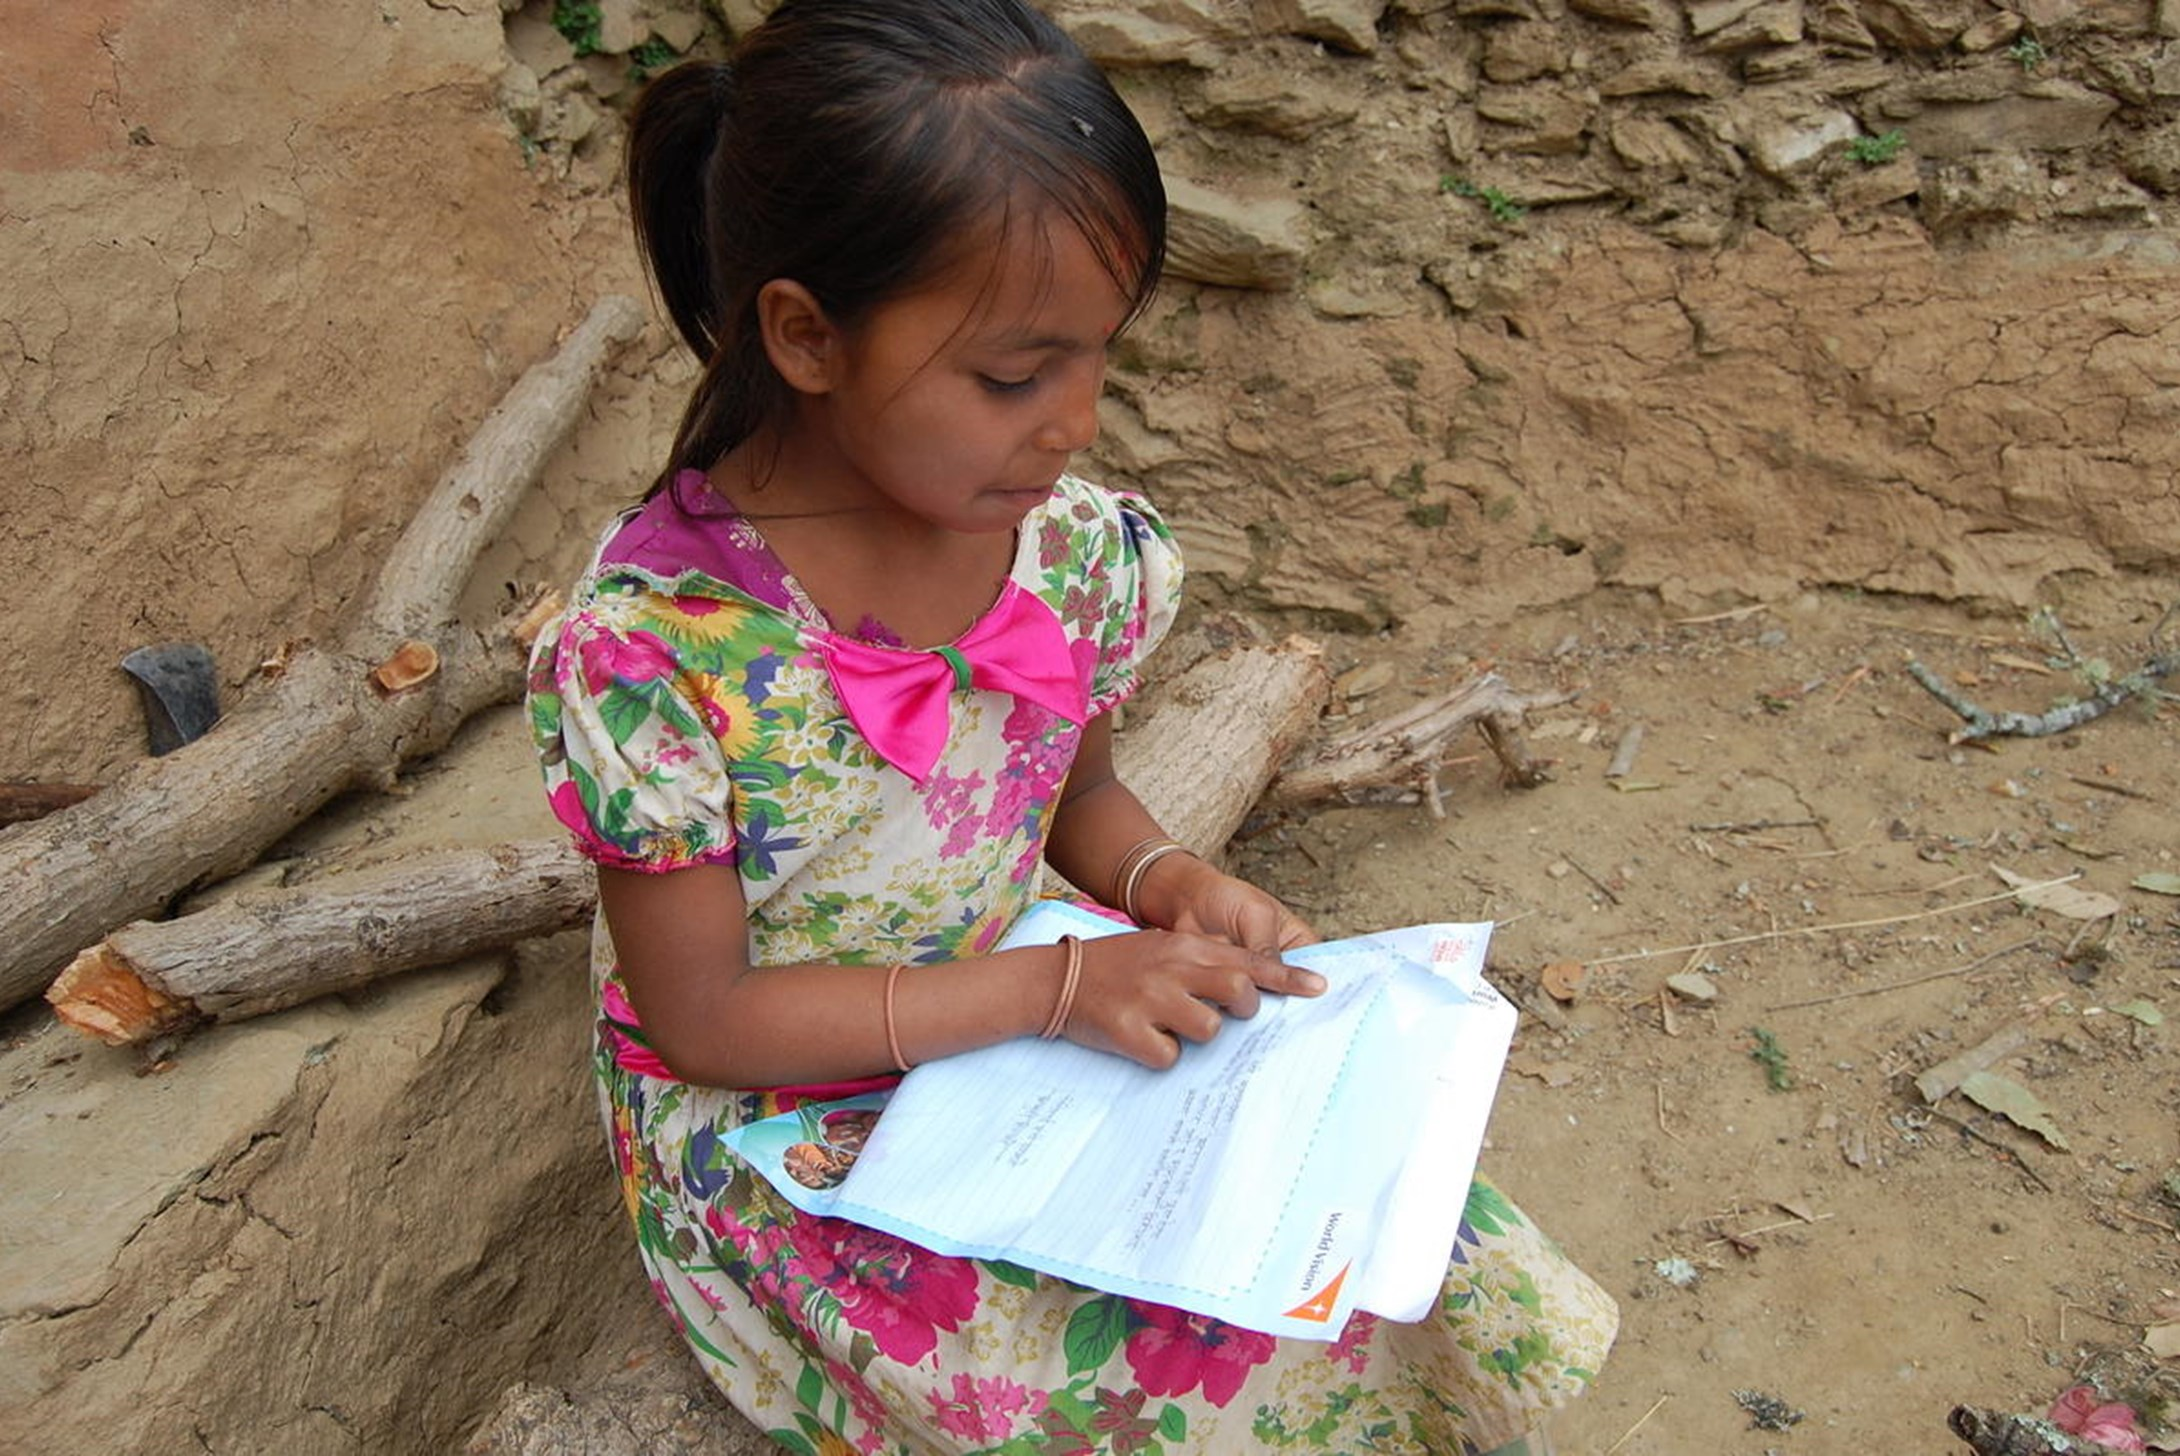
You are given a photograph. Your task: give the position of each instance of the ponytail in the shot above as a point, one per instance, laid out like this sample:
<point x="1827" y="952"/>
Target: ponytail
<point x="671" y="136"/>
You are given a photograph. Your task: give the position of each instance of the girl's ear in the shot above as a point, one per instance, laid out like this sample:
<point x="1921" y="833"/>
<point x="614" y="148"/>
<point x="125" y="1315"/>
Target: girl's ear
<point x="800" y="340"/>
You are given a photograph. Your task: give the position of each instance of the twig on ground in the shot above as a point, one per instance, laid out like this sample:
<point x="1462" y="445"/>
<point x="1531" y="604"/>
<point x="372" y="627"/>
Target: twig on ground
<point x="2106" y="693"/>
<point x="1755" y="826"/>
<point x="2106" y="786"/>
<point x="1631" y="1430"/>
<point x="1602" y="888"/>
<point x="1977" y="963"/>
<point x="1707" y="945"/>
<point x="1991" y="1142"/>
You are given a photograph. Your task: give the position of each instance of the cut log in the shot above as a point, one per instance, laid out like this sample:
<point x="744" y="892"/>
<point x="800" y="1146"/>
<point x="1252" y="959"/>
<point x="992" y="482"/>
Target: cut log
<point x="22" y="802"/>
<point x="322" y="725"/>
<point x="1202" y="755"/>
<point x="1408" y="749"/>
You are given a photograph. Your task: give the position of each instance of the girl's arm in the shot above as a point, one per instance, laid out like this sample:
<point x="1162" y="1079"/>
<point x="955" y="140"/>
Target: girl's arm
<point x="1100" y="819"/>
<point x="682" y="939"/>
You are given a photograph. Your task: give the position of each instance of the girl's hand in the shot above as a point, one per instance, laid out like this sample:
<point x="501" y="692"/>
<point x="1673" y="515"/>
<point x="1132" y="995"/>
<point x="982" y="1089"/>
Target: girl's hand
<point x="1181" y="892"/>
<point x="1142" y="995"/>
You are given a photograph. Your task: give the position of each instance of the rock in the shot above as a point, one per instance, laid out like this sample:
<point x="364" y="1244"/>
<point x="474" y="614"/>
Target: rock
<point x="1781" y="145"/>
<point x="657" y="1403"/>
<point x="622" y="26"/>
<point x="2165" y="72"/>
<point x="1648" y="14"/>
<point x="1146" y="37"/>
<point x="1991" y="33"/>
<point x="2112" y="201"/>
<point x="1523" y="52"/>
<point x="1980" y="191"/>
<point x="520" y="97"/>
<point x="1546" y="120"/>
<point x="1216" y="238"/>
<point x="2152" y="158"/>
<point x="1488" y="9"/>
<point x="1735" y="25"/>
<point x="1918" y="25"/>
<point x="1863" y="188"/>
<point x="1693" y="986"/>
<point x="2050" y="116"/>
<point x="1352" y="25"/>
<point x="1665" y="75"/>
<point x="1836" y="22"/>
<point x="2167" y="23"/>
<point x="533" y="42"/>
<point x="742" y="16"/>
<point x="681" y="29"/>
<point x="1274" y="101"/>
<point x="1653" y="144"/>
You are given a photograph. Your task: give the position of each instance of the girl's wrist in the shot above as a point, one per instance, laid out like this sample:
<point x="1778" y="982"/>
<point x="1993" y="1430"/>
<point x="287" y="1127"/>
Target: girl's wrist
<point x="1166" y="887"/>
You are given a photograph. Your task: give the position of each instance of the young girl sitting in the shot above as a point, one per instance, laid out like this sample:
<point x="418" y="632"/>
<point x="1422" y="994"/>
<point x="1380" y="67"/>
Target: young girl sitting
<point x="826" y="702"/>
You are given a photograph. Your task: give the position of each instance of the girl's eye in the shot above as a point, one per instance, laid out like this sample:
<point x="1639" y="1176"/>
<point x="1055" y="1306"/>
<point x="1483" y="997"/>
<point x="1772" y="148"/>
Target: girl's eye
<point x="1007" y="386"/>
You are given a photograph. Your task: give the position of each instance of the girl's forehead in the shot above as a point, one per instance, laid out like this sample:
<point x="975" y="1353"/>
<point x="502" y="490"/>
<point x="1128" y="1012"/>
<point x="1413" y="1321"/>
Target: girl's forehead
<point x="1039" y="282"/>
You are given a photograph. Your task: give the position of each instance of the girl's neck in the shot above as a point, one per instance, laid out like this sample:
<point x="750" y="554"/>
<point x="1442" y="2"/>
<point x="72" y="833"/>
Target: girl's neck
<point x="858" y="558"/>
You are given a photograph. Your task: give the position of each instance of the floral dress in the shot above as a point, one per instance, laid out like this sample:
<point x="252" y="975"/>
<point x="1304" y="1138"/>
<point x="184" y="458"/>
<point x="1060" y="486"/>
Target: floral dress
<point x="695" y="707"/>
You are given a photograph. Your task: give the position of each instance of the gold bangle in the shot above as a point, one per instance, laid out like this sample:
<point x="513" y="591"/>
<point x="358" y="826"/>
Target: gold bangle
<point x="1135" y="876"/>
<point x="893" y="1035"/>
<point x="1069" y="980"/>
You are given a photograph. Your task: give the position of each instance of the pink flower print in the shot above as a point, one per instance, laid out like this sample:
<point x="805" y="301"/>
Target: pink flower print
<point x="637" y="658"/>
<point x="1054" y="544"/>
<point x="1121" y="1421"/>
<point x="1353" y="1347"/>
<point x="898" y="1294"/>
<point x="1173" y="1352"/>
<point x="2109" y="1423"/>
<point x="1082" y="605"/>
<point x="948" y="800"/>
<point x="868" y="1408"/>
<point x="984" y="1410"/>
<point x="567" y="802"/>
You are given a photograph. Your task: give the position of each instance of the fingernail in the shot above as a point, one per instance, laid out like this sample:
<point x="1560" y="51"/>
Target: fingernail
<point x="1311" y="981"/>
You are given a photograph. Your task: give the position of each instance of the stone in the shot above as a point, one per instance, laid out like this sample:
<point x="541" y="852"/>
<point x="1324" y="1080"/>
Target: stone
<point x="2053" y="116"/>
<point x="1836" y="22"/>
<point x="1783" y="144"/>
<point x="2111" y="200"/>
<point x="1352" y="25"/>
<point x="622" y="26"/>
<point x="1524" y="52"/>
<point x="1213" y="237"/>
<point x="1489" y="9"/>
<point x="1768" y="66"/>
<point x="1125" y="37"/>
<point x="2165" y="73"/>
<point x="1545" y="120"/>
<point x="533" y="42"/>
<point x="2152" y="158"/>
<point x="2167" y="23"/>
<point x="1960" y="196"/>
<point x="1273" y="101"/>
<point x="1648" y="14"/>
<point x="1778" y="23"/>
<point x="681" y="29"/>
<point x="742" y="16"/>
<point x="1860" y="189"/>
<point x="1918" y="25"/>
<point x="1991" y="33"/>
<point x="1665" y="75"/>
<point x="1654" y="144"/>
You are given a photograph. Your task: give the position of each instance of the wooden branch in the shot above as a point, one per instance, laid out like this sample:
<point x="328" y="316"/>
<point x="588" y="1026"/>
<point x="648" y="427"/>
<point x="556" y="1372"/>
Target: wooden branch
<point x="320" y="726"/>
<point x="2106" y="693"/>
<point x="1994" y="1433"/>
<point x="1209" y="740"/>
<point x="1408" y="749"/>
<point x="20" y="803"/>
<point x="265" y="949"/>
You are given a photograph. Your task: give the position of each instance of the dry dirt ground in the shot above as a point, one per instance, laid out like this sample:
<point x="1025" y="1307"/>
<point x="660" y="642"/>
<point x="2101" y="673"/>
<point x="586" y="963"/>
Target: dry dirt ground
<point x="1865" y="1258"/>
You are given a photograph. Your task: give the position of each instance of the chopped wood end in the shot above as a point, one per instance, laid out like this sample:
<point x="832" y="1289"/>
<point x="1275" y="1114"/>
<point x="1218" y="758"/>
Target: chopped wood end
<point x="413" y="663"/>
<point x="101" y="995"/>
<point x="545" y="605"/>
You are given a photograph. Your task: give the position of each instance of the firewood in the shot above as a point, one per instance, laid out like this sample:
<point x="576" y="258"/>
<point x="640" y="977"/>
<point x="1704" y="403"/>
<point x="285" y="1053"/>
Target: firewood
<point x="22" y="802"/>
<point x="1209" y="739"/>
<point x="1994" y="1433"/>
<point x="322" y="725"/>
<point x="1408" y="749"/>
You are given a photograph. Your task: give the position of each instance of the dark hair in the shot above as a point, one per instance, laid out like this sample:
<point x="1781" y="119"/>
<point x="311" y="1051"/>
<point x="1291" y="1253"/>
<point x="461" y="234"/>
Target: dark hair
<point x="852" y="145"/>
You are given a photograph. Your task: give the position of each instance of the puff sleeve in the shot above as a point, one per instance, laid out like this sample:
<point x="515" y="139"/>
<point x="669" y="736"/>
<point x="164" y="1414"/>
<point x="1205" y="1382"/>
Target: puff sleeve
<point x="632" y="765"/>
<point x="1140" y="566"/>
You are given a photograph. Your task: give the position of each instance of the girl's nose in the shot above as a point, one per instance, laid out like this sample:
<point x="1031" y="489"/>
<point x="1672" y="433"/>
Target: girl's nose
<point x="1073" y="424"/>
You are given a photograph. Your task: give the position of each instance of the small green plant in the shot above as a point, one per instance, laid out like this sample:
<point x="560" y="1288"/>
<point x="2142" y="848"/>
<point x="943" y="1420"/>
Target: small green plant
<point x="1430" y="515"/>
<point x="2028" y="53"/>
<point x="1768" y="1054"/>
<point x="582" y="22"/>
<point x="653" y="56"/>
<point x="1502" y="207"/>
<point x="1875" y="151"/>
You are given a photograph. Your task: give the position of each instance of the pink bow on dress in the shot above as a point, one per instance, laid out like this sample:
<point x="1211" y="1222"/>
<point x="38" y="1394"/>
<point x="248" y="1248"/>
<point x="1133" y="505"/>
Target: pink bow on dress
<point x="900" y="698"/>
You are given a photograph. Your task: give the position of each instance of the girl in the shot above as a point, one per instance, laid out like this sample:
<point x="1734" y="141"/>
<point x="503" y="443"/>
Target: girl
<point x="828" y="699"/>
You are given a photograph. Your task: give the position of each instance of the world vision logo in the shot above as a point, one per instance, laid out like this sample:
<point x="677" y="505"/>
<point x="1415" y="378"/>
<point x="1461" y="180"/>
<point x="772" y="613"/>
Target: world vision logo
<point x="1318" y="1307"/>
